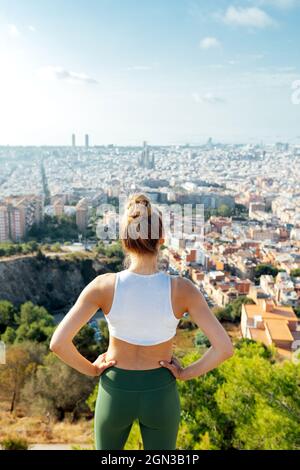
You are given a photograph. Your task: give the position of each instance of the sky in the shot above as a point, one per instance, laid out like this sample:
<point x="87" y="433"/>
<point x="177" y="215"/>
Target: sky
<point x="164" y="71"/>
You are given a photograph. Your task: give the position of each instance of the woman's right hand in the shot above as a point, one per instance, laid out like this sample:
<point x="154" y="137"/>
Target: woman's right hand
<point x="175" y="367"/>
<point x="101" y="364"/>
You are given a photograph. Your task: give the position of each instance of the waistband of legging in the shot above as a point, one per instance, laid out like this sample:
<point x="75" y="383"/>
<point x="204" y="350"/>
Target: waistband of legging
<point x="136" y="380"/>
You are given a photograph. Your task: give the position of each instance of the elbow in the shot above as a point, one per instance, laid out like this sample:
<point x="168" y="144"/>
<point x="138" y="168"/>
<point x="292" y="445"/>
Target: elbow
<point x="55" y="345"/>
<point x="224" y="351"/>
<point x="228" y="351"/>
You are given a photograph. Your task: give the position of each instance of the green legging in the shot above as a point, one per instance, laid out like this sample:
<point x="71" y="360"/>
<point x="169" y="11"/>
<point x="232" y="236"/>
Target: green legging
<point x="151" y="396"/>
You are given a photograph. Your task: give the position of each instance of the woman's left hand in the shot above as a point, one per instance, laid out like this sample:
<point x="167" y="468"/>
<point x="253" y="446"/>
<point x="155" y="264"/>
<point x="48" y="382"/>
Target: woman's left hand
<point x="174" y="366"/>
<point x="101" y="363"/>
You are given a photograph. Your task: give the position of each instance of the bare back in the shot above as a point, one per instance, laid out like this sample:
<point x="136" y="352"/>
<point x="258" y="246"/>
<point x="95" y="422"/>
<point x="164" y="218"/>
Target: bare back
<point x="131" y="356"/>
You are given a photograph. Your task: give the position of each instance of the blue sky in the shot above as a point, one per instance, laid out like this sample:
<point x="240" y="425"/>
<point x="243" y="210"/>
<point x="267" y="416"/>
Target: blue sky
<point x="166" y="71"/>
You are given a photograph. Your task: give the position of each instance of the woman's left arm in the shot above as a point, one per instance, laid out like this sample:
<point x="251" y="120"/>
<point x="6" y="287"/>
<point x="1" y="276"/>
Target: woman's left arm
<point x="61" y="342"/>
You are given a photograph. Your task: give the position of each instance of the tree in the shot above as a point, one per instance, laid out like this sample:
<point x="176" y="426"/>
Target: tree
<point x="232" y="312"/>
<point x="85" y="341"/>
<point x="34" y="324"/>
<point x="57" y="389"/>
<point x="224" y="210"/>
<point x="200" y="413"/>
<point x="9" y="336"/>
<point x="201" y="339"/>
<point x="295" y="272"/>
<point x="248" y="402"/>
<point x="104" y="333"/>
<point x="264" y="269"/>
<point x="112" y="250"/>
<point x="7" y="314"/>
<point x="20" y="360"/>
<point x="55" y="229"/>
<point x="262" y="399"/>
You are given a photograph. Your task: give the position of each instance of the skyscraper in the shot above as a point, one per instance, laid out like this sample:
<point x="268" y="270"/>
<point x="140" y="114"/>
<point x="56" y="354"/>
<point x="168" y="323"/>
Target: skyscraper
<point x="17" y="221"/>
<point x="87" y="143"/>
<point x="4" y="224"/>
<point x="73" y="140"/>
<point x="145" y="160"/>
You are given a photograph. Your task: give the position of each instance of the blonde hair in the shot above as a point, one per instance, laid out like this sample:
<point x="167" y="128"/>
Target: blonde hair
<point x="140" y="220"/>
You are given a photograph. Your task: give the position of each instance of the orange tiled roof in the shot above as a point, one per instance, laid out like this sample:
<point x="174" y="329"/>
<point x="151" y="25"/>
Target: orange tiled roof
<point x="278" y="312"/>
<point x="258" y="334"/>
<point x="279" y="331"/>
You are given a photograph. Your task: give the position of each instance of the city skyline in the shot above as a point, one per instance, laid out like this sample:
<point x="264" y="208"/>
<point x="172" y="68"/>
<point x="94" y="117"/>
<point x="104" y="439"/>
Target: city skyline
<point x="166" y="72"/>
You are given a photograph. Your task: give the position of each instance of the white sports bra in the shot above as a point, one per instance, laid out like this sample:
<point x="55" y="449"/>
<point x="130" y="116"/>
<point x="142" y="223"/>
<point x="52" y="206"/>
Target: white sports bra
<point x="141" y="312"/>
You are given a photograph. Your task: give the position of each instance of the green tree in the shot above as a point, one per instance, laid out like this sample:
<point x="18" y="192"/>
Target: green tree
<point x="7" y="315"/>
<point x="232" y="312"/>
<point x="262" y="399"/>
<point x="104" y="341"/>
<point x="200" y="413"/>
<point x="34" y="324"/>
<point x="201" y="339"/>
<point x="9" y="336"/>
<point x="264" y="269"/>
<point x="224" y="210"/>
<point x="54" y="229"/>
<point x="85" y="341"/>
<point x="295" y="272"/>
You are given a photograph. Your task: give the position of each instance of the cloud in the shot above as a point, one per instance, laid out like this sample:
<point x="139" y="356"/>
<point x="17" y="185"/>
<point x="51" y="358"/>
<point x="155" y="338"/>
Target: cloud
<point x="31" y="28"/>
<point x="59" y="73"/>
<point x="250" y="17"/>
<point x="208" y="97"/>
<point x="13" y="31"/>
<point x="209" y="43"/>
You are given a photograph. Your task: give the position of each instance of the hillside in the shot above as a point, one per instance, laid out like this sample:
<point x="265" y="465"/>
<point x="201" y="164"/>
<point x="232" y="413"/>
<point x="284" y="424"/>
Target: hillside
<point x="52" y="282"/>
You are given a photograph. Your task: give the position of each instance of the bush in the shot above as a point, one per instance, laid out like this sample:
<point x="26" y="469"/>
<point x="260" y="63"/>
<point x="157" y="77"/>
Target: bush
<point x="264" y="269"/>
<point x="232" y="312"/>
<point x="57" y="389"/>
<point x="14" y="443"/>
<point x="201" y="340"/>
<point x="295" y="273"/>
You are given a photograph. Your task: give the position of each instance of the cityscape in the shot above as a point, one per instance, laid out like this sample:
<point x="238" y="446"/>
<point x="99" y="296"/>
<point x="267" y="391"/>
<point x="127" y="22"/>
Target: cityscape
<point x="251" y="194"/>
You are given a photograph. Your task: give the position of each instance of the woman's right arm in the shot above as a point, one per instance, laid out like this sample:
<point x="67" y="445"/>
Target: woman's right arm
<point x="221" y="347"/>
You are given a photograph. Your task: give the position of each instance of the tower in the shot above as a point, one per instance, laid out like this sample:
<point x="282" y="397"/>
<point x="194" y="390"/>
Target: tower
<point x="146" y="160"/>
<point x="87" y="141"/>
<point x="73" y="140"/>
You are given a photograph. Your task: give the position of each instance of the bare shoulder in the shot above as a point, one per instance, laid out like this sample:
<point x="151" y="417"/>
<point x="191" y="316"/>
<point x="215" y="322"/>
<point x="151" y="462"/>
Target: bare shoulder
<point x="105" y="278"/>
<point x="183" y="290"/>
<point x="103" y="290"/>
<point x="100" y="284"/>
<point x="183" y="285"/>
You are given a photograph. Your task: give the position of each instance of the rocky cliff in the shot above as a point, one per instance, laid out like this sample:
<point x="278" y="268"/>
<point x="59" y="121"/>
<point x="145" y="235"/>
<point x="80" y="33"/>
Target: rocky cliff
<point x="51" y="282"/>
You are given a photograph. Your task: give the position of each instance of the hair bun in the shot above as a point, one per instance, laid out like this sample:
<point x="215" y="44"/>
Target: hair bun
<point x="135" y="207"/>
<point x="142" y="226"/>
